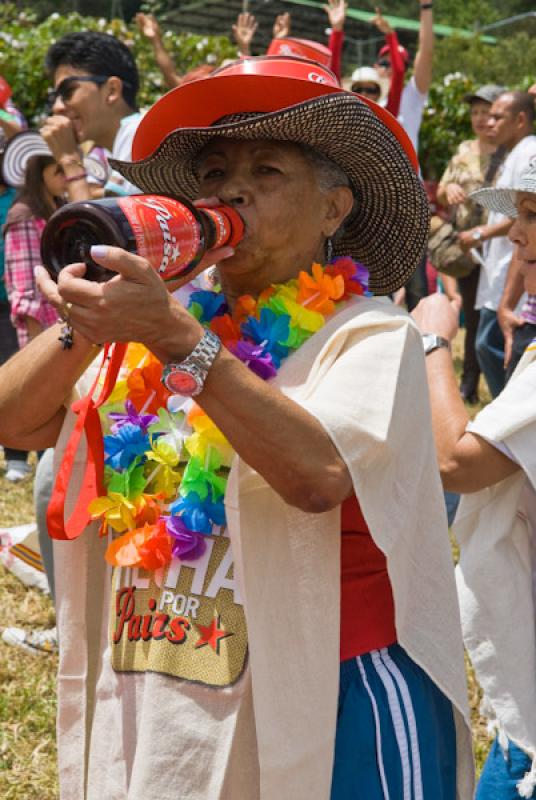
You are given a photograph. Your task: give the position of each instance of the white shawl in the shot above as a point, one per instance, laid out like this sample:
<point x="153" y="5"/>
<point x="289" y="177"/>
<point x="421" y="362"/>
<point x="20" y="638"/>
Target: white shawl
<point x="363" y="377"/>
<point x="494" y="575"/>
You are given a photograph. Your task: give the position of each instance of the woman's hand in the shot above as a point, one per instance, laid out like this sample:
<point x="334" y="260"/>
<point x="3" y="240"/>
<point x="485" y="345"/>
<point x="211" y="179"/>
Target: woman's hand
<point x="381" y="23"/>
<point x="467" y="239"/>
<point x="244" y="31"/>
<point x="336" y="11"/>
<point x="148" y="26"/>
<point x="455" y="194"/>
<point x="134" y="306"/>
<point x="436" y="314"/>
<point x="281" y="26"/>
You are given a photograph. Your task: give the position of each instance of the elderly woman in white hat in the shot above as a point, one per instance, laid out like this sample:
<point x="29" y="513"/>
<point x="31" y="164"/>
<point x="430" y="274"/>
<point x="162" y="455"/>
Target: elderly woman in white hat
<point x="492" y="460"/>
<point x="288" y="629"/>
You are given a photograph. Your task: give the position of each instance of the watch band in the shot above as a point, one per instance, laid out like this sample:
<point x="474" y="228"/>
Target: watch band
<point x="431" y="342"/>
<point x="187" y="377"/>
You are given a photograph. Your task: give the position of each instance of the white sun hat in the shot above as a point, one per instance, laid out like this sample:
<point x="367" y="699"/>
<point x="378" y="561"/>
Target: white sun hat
<point x="503" y="200"/>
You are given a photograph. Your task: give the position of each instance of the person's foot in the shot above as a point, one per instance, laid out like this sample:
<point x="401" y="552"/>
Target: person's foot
<point x="17" y="471"/>
<point x="36" y="642"/>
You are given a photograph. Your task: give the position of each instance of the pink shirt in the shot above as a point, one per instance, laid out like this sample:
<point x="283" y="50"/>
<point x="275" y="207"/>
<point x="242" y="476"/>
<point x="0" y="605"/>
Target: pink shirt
<point x="22" y="254"/>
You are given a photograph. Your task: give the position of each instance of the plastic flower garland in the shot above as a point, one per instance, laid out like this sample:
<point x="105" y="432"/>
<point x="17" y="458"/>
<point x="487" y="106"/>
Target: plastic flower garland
<point x="166" y="462"/>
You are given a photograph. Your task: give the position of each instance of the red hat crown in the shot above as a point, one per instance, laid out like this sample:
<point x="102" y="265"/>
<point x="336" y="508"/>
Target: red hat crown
<point x="303" y="48"/>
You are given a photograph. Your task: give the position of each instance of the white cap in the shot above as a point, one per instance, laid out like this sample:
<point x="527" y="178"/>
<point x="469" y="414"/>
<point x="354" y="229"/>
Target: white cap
<point x="368" y="75"/>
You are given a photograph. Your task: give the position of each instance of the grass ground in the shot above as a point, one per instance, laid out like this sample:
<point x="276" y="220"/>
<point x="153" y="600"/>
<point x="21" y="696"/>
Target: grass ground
<point x="27" y="682"/>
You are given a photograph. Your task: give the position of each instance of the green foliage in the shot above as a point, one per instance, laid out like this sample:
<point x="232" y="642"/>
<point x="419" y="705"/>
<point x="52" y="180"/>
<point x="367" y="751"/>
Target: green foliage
<point x="511" y="62"/>
<point x="446" y="122"/>
<point x="24" y="44"/>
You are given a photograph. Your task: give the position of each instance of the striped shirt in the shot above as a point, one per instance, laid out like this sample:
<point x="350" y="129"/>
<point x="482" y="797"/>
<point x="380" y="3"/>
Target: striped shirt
<point x="22" y="254"/>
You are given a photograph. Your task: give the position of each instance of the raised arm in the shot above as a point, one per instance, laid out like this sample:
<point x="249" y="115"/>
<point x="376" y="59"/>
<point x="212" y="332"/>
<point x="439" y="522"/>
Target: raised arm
<point x="398" y="66"/>
<point x="336" y="11"/>
<point x="150" y="29"/>
<point x="422" y="69"/>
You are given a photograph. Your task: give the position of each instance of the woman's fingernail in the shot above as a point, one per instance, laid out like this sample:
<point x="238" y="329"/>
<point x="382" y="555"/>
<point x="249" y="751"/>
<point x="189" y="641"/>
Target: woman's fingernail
<point x="99" y="251"/>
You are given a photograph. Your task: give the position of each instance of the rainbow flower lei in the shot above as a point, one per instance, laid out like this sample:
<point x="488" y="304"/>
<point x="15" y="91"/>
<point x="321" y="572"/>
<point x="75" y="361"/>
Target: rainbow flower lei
<point x="166" y="462"/>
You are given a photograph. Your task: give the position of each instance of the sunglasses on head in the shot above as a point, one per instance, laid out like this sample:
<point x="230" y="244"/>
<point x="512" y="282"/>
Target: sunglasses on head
<point x="371" y="91"/>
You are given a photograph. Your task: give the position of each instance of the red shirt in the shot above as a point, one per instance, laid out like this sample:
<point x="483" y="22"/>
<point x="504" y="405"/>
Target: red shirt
<point x="367" y="607"/>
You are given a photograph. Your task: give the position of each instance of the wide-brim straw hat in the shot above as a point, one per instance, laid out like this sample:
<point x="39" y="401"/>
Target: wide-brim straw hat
<point x="503" y="199"/>
<point x="294" y="100"/>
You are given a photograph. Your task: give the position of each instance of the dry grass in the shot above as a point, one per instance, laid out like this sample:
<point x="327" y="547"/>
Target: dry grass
<point x="27" y="682"/>
<point x="27" y="694"/>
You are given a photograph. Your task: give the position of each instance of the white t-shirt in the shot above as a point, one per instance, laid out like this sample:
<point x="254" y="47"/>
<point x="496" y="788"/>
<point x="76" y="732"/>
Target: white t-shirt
<point x="498" y="251"/>
<point x="122" y="150"/>
<point x="412" y="103"/>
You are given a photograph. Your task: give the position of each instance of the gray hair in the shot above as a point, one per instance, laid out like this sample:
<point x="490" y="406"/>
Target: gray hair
<point x="329" y="176"/>
<point x="328" y="173"/>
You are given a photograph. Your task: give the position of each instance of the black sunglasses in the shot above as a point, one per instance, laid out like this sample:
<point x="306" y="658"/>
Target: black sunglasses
<point x="66" y="88"/>
<point x="383" y="62"/>
<point x="368" y="90"/>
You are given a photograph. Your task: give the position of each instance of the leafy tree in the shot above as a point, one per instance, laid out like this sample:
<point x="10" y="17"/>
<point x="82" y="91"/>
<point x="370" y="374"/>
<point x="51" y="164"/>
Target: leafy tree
<point x="512" y="61"/>
<point x="24" y="44"/>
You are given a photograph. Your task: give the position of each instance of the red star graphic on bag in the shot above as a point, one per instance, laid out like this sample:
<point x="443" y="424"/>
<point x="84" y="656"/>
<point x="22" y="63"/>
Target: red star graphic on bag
<point x="212" y="634"/>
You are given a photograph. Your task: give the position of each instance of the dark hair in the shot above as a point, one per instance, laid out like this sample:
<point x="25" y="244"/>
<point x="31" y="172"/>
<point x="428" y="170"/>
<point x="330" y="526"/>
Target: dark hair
<point x="97" y="54"/>
<point x="32" y="193"/>
<point x="521" y="102"/>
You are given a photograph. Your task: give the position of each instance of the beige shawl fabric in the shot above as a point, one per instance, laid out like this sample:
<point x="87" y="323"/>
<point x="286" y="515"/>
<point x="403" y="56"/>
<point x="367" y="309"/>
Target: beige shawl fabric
<point x="363" y="377"/>
<point x="495" y="571"/>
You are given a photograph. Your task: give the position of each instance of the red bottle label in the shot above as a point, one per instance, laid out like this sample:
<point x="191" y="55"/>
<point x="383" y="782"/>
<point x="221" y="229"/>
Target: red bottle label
<point x="167" y="233"/>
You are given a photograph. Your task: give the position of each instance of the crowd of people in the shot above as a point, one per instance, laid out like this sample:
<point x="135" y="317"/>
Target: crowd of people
<point x="215" y="496"/>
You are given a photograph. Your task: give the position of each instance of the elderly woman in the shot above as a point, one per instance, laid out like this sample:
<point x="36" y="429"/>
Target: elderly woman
<point x="493" y="460"/>
<point x="328" y="535"/>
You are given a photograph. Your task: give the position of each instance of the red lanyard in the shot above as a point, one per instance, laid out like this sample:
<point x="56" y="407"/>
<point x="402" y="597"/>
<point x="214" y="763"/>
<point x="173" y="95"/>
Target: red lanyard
<point x="88" y="424"/>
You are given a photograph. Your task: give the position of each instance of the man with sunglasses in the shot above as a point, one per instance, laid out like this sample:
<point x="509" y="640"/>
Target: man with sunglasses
<point x="95" y="81"/>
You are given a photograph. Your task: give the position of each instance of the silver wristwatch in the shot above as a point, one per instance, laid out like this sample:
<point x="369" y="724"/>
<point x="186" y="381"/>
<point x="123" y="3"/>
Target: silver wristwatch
<point x="431" y="342"/>
<point x="188" y="377"/>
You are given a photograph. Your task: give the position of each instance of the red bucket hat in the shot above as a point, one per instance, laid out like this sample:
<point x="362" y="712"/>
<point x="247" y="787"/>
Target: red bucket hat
<point x="303" y="48"/>
<point x="293" y="100"/>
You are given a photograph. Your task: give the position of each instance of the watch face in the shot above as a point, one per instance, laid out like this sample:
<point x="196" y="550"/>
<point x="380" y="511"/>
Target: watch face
<point x="181" y="383"/>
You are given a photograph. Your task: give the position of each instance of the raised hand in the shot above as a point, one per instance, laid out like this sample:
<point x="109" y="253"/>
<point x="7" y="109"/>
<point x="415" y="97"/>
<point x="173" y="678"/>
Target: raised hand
<point x="281" y="27"/>
<point x="336" y="11"/>
<point x="148" y="26"/>
<point x="244" y="31"/>
<point x="380" y="22"/>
